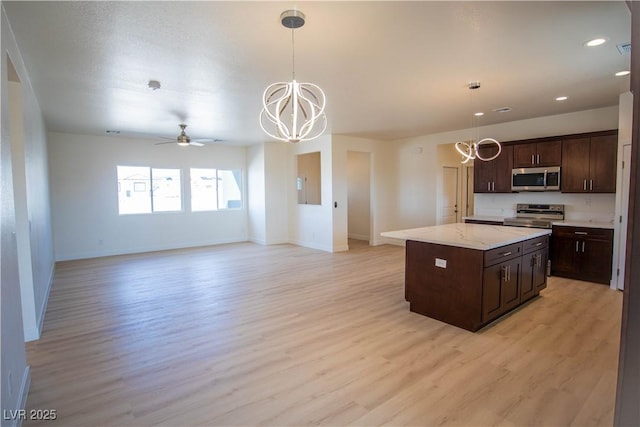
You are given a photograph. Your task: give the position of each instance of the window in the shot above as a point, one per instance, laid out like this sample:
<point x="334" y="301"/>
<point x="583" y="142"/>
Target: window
<point x="215" y="189"/>
<point x="144" y="190"/>
<point x="134" y="184"/>
<point x="166" y="190"/>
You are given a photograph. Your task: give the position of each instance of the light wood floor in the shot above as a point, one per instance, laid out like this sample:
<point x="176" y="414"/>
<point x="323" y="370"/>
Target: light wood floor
<point x="244" y="334"/>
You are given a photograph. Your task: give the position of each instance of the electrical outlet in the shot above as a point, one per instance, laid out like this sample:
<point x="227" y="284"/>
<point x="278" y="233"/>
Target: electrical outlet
<point x="442" y="263"/>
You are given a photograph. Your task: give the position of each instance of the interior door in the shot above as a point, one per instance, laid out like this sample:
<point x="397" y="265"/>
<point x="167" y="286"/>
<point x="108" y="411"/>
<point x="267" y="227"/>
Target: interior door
<point x="449" y="206"/>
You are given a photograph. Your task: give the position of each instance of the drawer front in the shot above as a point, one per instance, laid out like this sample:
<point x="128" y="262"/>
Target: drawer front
<point x="535" y="244"/>
<point x="502" y="253"/>
<point x="584" y="232"/>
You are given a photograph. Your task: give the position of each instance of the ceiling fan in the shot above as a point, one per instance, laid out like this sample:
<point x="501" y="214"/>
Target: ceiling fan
<point x="185" y="140"/>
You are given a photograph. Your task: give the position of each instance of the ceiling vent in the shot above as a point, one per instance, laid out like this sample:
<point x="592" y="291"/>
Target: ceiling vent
<point x="502" y="110"/>
<point x="624" y="48"/>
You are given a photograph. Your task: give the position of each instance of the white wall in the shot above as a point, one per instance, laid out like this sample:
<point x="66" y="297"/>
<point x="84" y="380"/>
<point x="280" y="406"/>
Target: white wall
<point x="278" y="161"/>
<point x="312" y="225"/>
<point x="256" y="204"/>
<point x="23" y="127"/>
<point x="359" y="195"/>
<point x="625" y="127"/>
<point x="382" y="181"/>
<point x="85" y="200"/>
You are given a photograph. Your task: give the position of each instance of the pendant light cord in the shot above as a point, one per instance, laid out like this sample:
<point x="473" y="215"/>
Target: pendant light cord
<point x="293" y="55"/>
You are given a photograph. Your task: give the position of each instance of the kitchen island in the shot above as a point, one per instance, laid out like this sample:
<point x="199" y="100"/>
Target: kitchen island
<point x="468" y="275"/>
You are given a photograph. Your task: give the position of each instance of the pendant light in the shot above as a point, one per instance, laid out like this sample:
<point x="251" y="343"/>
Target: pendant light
<point x="471" y="150"/>
<point x="293" y="111"/>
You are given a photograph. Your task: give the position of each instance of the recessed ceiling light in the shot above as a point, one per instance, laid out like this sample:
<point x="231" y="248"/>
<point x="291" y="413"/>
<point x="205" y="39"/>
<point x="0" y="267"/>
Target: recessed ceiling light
<point x="478" y="114"/>
<point x="596" y="42"/>
<point x="622" y="73"/>
<point x="562" y="98"/>
<point x="154" y="84"/>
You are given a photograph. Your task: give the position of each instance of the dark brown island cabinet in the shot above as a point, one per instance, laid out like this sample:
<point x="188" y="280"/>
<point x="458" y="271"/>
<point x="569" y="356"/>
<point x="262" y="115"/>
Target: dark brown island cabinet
<point x="470" y="288"/>
<point x="582" y="253"/>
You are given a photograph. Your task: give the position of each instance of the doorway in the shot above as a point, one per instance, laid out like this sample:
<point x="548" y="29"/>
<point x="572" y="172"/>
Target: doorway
<point x="468" y="191"/>
<point x="359" y="195"/>
<point x="624" y="211"/>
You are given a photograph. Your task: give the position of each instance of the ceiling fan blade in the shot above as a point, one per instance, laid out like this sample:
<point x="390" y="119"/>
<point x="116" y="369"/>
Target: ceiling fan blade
<point x="207" y="140"/>
<point x="166" y="142"/>
<point x="197" y="144"/>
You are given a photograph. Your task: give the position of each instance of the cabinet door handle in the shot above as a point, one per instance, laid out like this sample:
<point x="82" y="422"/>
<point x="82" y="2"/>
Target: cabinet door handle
<point x="506" y="253"/>
<point x="493" y="186"/>
<point x="583" y="247"/>
<point x="577" y="243"/>
<point x="590" y="185"/>
<point x="488" y="186"/>
<point x="539" y="260"/>
<point x="532" y="162"/>
<point x="539" y="244"/>
<point x="584" y="185"/>
<point x="584" y="233"/>
<point x="538" y="159"/>
<point x="508" y="273"/>
<point x="504" y="273"/>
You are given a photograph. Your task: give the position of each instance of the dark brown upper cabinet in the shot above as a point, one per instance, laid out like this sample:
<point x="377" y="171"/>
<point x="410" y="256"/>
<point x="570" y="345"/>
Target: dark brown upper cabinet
<point x="589" y="164"/>
<point x="537" y="154"/>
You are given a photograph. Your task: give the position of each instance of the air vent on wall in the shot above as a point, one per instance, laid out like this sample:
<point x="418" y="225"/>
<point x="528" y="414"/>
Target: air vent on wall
<point x="624" y="48"/>
<point x="502" y="110"/>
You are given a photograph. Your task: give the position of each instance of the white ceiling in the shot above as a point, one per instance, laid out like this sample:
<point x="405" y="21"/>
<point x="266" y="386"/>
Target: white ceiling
<point x="389" y="69"/>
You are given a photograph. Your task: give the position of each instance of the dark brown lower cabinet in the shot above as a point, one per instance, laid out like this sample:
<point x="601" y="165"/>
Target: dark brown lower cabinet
<point x="500" y="289"/>
<point x="470" y="288"/>
<point x="582" y="253"/>
<point x="533" y="276"/>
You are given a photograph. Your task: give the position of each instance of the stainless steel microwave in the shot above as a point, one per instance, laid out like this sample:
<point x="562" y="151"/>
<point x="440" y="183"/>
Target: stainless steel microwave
<point x="536" y="179"/>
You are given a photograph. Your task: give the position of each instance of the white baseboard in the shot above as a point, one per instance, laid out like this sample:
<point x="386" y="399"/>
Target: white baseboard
<point x="258" y="241"/>
<point x="388" y="241"/>
<point x="155" y="248"/>
<point x="311" y="245"/>
<point x="359" y="236"/>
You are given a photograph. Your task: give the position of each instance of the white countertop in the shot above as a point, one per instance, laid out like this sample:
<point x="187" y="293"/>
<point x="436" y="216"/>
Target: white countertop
<point x="587" y="224"/>
<point x="472" y="236"/>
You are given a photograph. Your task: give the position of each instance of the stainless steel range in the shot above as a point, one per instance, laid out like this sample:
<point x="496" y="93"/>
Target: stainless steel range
<point x="535" y="215"/>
